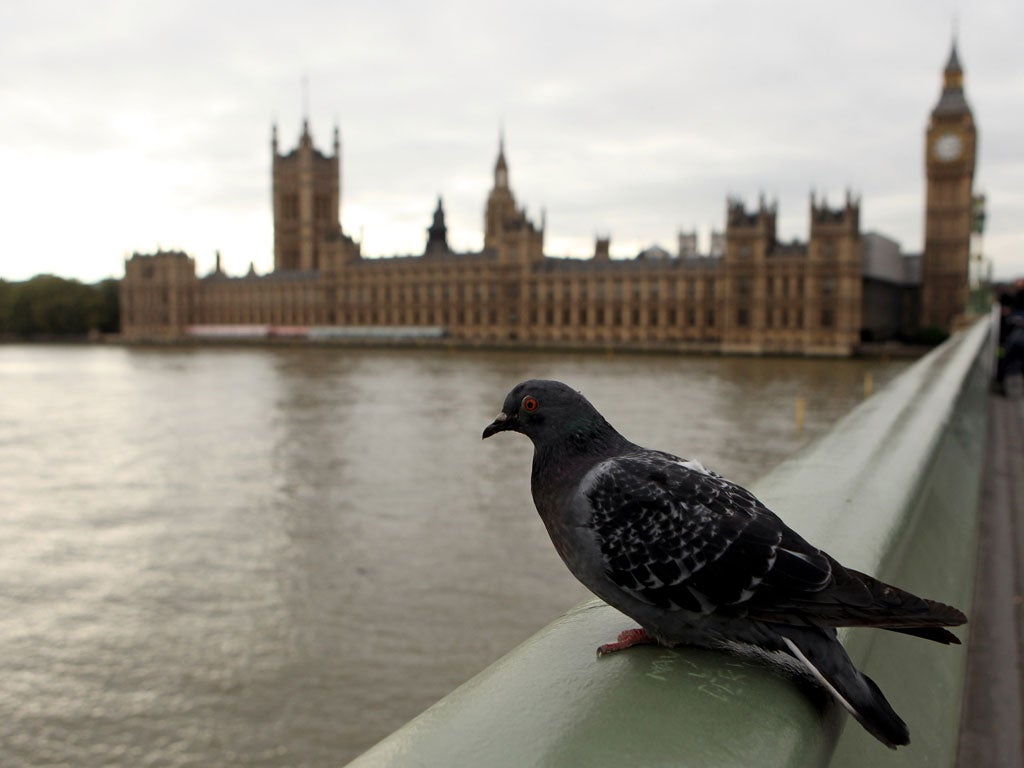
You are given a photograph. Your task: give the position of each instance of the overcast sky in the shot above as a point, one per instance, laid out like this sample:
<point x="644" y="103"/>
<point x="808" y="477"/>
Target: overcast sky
<point x="129" y="126"/>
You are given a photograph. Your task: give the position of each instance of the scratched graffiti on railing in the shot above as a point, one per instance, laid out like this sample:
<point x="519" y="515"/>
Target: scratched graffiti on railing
<point x="721" y="682"/>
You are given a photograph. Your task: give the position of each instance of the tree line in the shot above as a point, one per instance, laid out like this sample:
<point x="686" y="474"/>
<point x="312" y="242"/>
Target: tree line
<point x="48" y="305"/>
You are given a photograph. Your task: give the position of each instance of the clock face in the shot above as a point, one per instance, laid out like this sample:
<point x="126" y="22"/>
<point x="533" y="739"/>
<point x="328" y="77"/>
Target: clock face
<point x="948" y="147"/>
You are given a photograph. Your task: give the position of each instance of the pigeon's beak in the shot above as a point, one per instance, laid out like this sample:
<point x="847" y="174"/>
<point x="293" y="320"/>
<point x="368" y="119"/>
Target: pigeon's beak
<point x="500" y="424"/>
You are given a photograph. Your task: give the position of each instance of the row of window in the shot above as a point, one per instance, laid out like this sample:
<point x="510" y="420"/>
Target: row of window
<point x="829" y="250"/>
<point x="264" y="299"/>
<point x="149" y="313"/>
<point x="302" y="302"/>
<point x="784" y="318"/>
<point x="784" y="287"/>
<point x="582" y="318"/>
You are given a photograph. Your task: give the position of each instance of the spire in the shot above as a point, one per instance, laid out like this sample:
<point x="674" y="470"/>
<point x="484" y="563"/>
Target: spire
<point x="337" y="139"/>
<point x="437" y="233"/>
<point x="273" y="137"/>
<point x="953" y="67"/>
<point x="500" y="166"/>
<point x="952" y="100"/>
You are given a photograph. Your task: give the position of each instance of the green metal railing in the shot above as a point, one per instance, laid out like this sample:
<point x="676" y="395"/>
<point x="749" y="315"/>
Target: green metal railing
<point x="891" y="490"/>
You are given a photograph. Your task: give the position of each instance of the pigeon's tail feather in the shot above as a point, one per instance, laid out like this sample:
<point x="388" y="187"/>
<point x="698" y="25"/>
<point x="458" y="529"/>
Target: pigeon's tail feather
<point x="901" y="611"/>
<point x="825" y="659"/>
<point x="937" y="634"/>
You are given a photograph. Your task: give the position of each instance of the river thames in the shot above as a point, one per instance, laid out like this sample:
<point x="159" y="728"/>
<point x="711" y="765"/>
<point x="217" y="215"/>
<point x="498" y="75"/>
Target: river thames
<point x="276" y="556"/>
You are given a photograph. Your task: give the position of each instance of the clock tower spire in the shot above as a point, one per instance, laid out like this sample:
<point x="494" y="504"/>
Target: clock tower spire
<point x="950" y="149"/>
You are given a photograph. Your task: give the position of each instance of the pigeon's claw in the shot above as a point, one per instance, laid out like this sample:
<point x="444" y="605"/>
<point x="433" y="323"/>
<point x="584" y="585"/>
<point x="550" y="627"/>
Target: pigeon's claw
<point x="627" y="639"/>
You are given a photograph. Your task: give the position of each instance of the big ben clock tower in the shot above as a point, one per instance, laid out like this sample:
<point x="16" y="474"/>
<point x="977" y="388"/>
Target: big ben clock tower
<point x="950" y="148"/>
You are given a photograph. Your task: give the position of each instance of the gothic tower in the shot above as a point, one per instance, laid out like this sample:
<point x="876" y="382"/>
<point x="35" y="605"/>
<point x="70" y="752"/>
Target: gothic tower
<point x="749" y="241"/>
<point x="306" y="198"/>
<point x="507" y="229"/>
<point x="950" y="150"/>
<point x="501" y="204"/>
<point x="834" y="283"/>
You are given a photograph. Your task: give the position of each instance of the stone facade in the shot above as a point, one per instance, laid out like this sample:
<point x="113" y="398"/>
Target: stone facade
<point x="750" y="294"/>
<point x="158" y="295"/>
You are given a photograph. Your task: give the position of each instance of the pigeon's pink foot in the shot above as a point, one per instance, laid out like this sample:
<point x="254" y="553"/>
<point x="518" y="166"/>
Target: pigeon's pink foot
<point x="627" y="639"/>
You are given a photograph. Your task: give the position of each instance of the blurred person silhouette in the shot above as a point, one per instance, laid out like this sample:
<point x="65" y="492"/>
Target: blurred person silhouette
<point x="1010" y="356"/>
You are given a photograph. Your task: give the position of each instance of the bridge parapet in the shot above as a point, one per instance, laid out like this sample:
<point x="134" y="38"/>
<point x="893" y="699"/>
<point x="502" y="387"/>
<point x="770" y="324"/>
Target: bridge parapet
<point x="892" y="490"/>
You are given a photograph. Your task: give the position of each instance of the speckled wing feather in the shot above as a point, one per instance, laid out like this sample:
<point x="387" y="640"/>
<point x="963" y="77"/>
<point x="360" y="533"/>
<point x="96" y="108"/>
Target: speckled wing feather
<point x="676" y="536"/>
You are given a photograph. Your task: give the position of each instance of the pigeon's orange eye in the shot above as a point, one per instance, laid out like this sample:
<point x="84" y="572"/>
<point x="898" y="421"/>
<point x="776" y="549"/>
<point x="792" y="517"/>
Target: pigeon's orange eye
<point x="530" y="404"/>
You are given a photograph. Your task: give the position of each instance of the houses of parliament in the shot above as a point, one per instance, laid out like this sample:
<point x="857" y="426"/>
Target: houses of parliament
<point x="750" y="294"/>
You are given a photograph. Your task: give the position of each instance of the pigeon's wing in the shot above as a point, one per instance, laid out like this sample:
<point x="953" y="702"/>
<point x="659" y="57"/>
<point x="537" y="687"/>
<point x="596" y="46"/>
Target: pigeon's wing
<point x="676" y="536"/>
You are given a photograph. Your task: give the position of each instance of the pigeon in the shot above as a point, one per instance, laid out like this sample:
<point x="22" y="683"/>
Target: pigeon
<point x="697" y="560"/>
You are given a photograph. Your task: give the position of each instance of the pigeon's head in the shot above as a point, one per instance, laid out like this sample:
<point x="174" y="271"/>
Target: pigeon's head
<point x="544" y="410"/>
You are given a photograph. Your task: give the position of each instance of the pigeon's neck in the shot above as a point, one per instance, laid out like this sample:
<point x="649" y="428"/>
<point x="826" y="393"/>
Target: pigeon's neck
<point x="560" y="463"/>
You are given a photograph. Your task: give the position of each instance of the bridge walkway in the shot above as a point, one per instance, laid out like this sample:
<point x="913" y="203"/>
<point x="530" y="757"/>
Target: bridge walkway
<point x="993" y="718"/>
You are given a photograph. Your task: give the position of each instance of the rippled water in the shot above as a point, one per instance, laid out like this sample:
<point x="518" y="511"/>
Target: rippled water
<point x="273" y="557"/>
